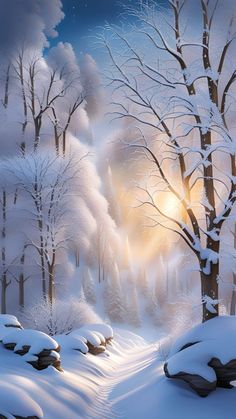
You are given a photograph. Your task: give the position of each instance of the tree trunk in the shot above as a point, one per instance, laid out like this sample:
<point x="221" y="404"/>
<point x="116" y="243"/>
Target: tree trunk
<point x="21" y="291"/>
<point x="3" y="296"/>
<point x="3" y="253"/>
<point x="37" y="128"/>
<point x="21" y="280"/>
<point x="99" y="272"/>
<point x="209" y="288"/>
<point x="64" y="143"/>
<point x="51" y="283"/>
<point x="44" y="291"/>
<point x="77" y="258"/>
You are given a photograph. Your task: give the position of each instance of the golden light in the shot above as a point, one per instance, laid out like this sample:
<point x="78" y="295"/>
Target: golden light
<point x="169" y="204"/>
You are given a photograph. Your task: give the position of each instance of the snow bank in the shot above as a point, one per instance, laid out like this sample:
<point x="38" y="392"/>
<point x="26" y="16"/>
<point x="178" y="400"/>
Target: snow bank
<point x="205" y="357"/>
<point x="38" y="341"/>
<point x="90" y="338"/>
<point x="75" y="342"/>
<point x="104" y="329"/>
<point x="195" y="358"/>
<point x="16" y="402"/>
<point x="219" y="327"/>
<point x="7" y="323"/>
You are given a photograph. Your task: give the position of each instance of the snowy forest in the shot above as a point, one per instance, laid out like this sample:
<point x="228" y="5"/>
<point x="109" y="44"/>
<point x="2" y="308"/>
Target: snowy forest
<point x="117" y="215"/>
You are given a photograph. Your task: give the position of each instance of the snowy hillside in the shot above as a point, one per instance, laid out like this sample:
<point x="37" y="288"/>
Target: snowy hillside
<point x="126" y="381"/>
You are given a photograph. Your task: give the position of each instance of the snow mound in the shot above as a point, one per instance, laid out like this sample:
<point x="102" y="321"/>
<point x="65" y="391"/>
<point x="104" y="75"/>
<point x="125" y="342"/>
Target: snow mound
<point x="104" y="329"/>
<point x="7" y="323"/>
<point x="75" y="342"/>
<point x="222" y="326"/>
<point x="91" y="338"/>
<point x="205" y="357"/>
<point x="195" y="358"/>
<point x="95" y="334"/>
<point x="36" y="348"/>
<point x="38" y="341"/>
<point x="16" y="402"/>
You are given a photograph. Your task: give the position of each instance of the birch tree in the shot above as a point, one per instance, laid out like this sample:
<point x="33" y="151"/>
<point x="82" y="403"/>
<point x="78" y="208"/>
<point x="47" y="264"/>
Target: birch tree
<point x="46" y="183"/>
<point x="177" y="85"/>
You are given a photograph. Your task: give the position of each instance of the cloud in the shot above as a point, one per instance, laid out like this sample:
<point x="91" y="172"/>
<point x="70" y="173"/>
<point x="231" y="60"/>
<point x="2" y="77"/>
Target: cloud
<point x="92" y="85"/>
<point x="27" y="22"/>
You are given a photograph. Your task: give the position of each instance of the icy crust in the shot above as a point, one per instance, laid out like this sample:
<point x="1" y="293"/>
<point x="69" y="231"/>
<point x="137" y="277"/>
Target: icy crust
<point x="38" y="341"/>
<point x="15" y="401"/>
<point x="195" y="358"/>
<point x="221" y="327"/>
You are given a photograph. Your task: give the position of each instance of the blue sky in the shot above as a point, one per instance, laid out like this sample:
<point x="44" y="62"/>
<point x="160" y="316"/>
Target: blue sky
<point x="83" y="17"/>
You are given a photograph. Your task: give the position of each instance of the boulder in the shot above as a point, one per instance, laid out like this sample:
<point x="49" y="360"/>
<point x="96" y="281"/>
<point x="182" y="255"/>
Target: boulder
<point x="37" y="348"/>
<point x="95" y="350"/>
<point x="205" y="357"/>
<point x="199" y="384"/>
<point x="92" y="338"/>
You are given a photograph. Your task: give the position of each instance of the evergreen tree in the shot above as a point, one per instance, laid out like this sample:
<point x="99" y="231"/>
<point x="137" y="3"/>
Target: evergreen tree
<point x="88" y="286"/>
<point x="143" y="282"/>
<point x="114" y="301"/>
<point x="133" y="309"/>
<point x="160" y="289"/>
<point x="114" y="208"/>
<point x="152" y="303"/>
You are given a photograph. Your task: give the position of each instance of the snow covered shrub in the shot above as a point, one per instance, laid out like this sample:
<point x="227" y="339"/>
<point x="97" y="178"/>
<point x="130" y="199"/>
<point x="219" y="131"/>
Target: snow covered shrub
<point x="61" y="317"/>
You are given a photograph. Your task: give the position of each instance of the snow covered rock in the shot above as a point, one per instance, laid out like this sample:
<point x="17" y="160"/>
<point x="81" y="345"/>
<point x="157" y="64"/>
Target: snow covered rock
<point x="92" y="338"/>
<point x="104" y="329"/>
<point x="74" y="342"/>
<point x="205" y="357"/>
<point x="37" y="348"/>
<point x="7" y="323"/>
<point x="218" y="327"/>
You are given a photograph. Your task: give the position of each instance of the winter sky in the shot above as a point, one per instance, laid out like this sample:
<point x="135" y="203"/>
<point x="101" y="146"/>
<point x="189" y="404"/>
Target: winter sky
<point x="84" y="17"/>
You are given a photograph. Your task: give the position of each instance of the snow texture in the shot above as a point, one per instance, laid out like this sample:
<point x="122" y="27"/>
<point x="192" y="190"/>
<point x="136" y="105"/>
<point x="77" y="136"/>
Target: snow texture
<point x="219" y="327"/>
<point x="33" y="338"/>
<point x="7" y="323"/>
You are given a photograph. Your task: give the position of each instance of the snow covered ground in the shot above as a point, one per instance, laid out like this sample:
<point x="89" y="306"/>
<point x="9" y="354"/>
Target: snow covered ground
<point x="126" y="381"/>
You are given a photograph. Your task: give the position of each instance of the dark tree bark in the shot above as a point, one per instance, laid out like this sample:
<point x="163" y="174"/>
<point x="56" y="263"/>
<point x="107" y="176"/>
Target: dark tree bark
<point x="4" y="280"/>
<point x="6" y="93"/>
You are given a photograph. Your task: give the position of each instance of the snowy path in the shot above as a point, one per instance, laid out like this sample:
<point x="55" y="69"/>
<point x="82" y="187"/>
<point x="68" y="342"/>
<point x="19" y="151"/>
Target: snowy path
<point x="126" y="382"/>
<point x="124" y="373"/>
<point x="134" y="387"/>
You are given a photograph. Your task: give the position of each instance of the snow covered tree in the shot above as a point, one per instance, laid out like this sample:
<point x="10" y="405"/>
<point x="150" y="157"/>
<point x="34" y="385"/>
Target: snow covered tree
<point x="88" y="286"/>
<point x="178" y="88"/>
<point x="109" y="187"/>
<point x="152" y="303"/>
<point x="142" y="282"/>
<point x="160" y="289"/>
<point x="44" y="183"/>
<point x="113" y="298"/>
<point x="133" y="308"/>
